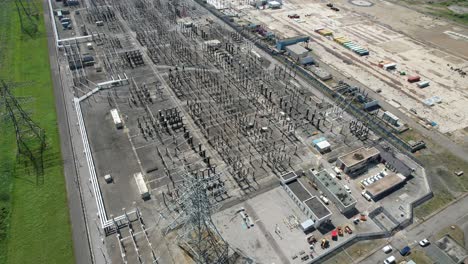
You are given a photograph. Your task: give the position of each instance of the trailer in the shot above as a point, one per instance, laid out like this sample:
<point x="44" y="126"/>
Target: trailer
<point x="142" y="188"/>
<point x="116" y="118"/>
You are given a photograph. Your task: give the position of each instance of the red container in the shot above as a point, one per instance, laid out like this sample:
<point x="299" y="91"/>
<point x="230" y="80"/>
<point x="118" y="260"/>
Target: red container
<point x="414" y="78"/>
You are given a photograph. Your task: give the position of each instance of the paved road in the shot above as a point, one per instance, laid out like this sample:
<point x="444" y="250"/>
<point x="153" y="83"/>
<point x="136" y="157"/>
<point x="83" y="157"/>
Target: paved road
<point x="81" y="244"/>
<point x="456" y="213"/>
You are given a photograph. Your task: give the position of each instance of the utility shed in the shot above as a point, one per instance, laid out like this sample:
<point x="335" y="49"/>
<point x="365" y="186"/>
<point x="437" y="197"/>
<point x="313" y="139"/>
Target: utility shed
<point x="296" y="51"/>
<point x="323" y="146"/>
<point x="308" y="60"/>
<point x="307" y="225"/>
<point x="384" y="186"/>
<point x="391" y="118"/>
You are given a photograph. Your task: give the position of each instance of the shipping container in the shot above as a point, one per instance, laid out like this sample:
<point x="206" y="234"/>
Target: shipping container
<point x="414" y="78"/>
<point x="116" y="118"/>
<point x="142" y="188"/>
<point x="423" y="84"/>
<point x="390" y="66"/>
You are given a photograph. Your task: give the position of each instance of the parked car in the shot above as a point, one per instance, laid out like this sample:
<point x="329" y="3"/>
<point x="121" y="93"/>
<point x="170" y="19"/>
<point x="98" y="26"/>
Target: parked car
<point x="348" y="230"/>
<point x="405" y="251"/>
<point x="424" y="242"/>
<point x="324" y="199"/>
<point x="366" y="195"/>
<point x="387" y="249"/>
<point x="346" y="187"/>
<point x="389" y="260"/>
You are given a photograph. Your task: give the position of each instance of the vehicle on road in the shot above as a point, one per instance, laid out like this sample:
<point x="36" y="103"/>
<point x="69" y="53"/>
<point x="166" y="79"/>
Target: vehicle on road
<point x="387" y="249"/>
<point x="294" y="16"/>
<point x="389" y="260"/>
<point x="424" y="242"/>
<point x="405" y="251"/>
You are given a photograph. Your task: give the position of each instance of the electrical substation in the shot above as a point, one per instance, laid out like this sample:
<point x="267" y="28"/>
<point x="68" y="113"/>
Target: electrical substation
<point x="189" y="132"/>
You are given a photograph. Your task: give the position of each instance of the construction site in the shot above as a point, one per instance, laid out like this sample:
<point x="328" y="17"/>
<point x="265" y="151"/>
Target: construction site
<point x="205" y="135"/>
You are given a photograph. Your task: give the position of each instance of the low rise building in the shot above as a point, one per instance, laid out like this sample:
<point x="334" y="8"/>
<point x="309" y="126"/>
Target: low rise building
<point x="309" y="204"/>
<point x="334" y="190"/>
<point x="356" y="161"/>
<point x="390" y="118"/>
<point x="296" y="51"/>
<point x="389" y="182"/>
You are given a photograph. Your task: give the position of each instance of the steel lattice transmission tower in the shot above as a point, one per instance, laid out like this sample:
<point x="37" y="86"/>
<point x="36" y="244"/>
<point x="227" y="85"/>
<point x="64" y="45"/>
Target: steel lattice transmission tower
<point x="28" y="15"/>
<point x="30" y="138"/>
<point x="199" y="236"/>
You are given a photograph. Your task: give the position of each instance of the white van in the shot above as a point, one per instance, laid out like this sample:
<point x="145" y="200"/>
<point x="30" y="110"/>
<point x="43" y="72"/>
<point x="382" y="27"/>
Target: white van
<point x="389" y="260"/>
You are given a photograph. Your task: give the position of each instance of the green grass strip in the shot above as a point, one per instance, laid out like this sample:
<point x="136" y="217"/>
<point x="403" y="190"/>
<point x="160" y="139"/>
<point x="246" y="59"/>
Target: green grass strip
<point x="34" y="220"/>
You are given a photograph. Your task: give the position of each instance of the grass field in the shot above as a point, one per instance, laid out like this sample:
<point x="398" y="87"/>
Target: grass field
<point x="419" y="257"/>
<point x="456" y="233"/>
<point x="440" y="166"/>
<point x="442" y="8"/>
<point x="34" y="219"/>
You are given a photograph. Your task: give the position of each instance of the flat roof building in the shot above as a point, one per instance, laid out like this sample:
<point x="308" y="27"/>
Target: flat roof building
<point x="391" y="118"/>
<point x="309" y="204"/>
<point x="357" y="160"/>
<point x="323" y="146"/>
<point x="385" y="185"/>
<point x="319" y="210"/>
<point x="296" y="51"/>
<point x="344" y="201"/>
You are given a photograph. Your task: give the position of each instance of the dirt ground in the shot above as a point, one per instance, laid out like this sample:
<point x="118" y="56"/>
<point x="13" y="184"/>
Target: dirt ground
<point x="419" y="44"/>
